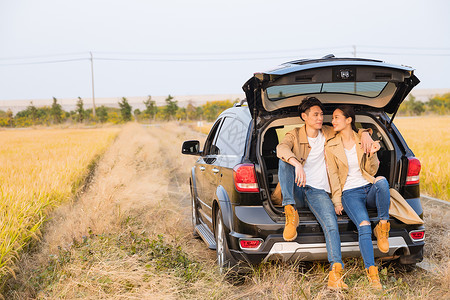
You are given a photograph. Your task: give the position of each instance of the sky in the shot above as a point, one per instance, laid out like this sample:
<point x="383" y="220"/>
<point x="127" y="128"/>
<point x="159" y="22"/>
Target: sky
<point x="146" y="47"/>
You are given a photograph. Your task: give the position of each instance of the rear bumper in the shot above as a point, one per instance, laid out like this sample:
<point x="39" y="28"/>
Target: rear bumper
<point x="291" y="251"/>
<point x="294" y="251"/>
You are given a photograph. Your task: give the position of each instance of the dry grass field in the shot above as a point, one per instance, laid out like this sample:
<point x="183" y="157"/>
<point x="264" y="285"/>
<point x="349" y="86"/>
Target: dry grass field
<point x="39" y="169"/>
<point x="128" y="236"/>
<point x="429" y="139"/>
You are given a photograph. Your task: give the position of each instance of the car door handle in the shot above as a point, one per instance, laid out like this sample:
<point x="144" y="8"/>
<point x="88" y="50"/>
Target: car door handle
<point x="202" y="168"/>
<point x="215" y="170"/>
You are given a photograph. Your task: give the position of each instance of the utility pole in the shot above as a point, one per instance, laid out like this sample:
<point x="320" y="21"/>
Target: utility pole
<point x="354" y="55"/>
<point x="93" y="93"/>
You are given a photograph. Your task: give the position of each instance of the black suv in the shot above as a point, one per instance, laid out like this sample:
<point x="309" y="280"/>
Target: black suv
<point x="232" y="181"/>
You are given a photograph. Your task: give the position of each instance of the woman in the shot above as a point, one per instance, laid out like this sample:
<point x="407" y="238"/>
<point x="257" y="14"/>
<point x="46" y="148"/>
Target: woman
<point x="354" y="187"/>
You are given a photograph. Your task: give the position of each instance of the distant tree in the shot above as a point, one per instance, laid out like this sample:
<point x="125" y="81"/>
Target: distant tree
<point x="125" y="110"/>
<point x="9" y="118"/>
<point x="56" y="111"/>
<point x="412" y="107"/>
<point x="150" y="108"/>
<point x="33" y="112"/>
<point x="181" y="114"/>
<point x="440" y="104"/>
<point x="191" y="112"/>
<point x="137" y="114"/>
<point x="80" y="110"/>
<point x="102" y="114"/>
<point x="6" y="118"/>
<point x="199" y="112"/>
<point x="212" y="109"/>
<point x="171" y="107"/>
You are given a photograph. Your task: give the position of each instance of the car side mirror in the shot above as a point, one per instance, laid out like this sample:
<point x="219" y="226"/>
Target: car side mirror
<point x="191" y="148"/>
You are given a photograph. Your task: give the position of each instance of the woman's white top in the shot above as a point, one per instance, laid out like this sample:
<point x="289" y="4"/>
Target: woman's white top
<point x="315" y="167"/>
<point x="354" y="176"/>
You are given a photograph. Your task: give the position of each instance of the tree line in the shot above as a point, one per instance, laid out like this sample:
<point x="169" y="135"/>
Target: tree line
<point x="54" y="114"/>
<point x="439" y="105"/>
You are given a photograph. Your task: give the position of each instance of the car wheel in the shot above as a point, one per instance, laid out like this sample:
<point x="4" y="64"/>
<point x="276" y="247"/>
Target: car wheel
<point x="224" y="259"/>
<point x="406" y="268"/>
<point x="194" y="214"/>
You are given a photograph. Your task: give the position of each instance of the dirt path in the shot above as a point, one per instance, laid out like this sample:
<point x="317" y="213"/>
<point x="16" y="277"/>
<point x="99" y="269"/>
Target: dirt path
<point x="129" y="236"/>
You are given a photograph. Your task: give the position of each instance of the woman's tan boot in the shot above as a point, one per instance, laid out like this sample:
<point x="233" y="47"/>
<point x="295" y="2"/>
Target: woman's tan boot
<point x="374" y="279"/>
<point x="381" y="231"/>
<point x="335" y="281"/>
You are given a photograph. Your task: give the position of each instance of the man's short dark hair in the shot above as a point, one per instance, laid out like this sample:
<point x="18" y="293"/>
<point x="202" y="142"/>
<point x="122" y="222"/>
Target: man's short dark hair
<point x="307" y="103"/>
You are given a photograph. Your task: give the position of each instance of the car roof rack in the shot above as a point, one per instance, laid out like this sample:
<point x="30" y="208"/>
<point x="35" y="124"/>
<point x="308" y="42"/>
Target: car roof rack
<point x="329" y="57"/>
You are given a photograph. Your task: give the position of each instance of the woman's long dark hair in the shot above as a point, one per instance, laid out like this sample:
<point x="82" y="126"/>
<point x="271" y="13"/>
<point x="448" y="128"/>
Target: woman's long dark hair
<point x="348" y="112"/>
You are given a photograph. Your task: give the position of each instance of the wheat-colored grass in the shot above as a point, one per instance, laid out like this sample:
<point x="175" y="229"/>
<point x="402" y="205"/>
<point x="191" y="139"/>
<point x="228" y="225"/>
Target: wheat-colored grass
<point x="429" y="139"/>
<point x="40" y="169"/>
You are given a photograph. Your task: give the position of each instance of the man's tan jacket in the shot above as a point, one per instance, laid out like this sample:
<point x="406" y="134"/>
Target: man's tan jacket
<point x="295" y="144"/>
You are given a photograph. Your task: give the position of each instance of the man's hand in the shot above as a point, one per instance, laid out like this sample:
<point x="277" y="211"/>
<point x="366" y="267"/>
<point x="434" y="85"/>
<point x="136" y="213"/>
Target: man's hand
<point x="300" y="175"/>
<point x="338" y="209"/>
<point x="366" y="142"/>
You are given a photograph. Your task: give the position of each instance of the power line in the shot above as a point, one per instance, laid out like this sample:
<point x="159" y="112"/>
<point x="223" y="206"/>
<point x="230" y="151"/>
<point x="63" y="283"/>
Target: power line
<point x="398" y="53"/>
<point x="44" y="62"/>
<point x="406" y="48"/>
<point x="202" y="59"/>
<point x="221" y="53"/>
<point x="216" y="59"/>
<point x="43" y="56"/>
<point x="298" y="51"/>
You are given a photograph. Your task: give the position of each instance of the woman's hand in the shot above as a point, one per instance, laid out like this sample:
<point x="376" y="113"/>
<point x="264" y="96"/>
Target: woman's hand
<point x="338" y="209"/>
<point x="375" y="147"/>
<point x="366" y="142"/>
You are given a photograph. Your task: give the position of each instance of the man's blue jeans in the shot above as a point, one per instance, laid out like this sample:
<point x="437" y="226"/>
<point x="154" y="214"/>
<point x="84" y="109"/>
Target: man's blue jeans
<point x="356" y="201"/>
<point x="318" y="202"/>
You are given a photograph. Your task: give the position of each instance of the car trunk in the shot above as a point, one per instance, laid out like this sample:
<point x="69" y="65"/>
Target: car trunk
<point x="273" y="133"/>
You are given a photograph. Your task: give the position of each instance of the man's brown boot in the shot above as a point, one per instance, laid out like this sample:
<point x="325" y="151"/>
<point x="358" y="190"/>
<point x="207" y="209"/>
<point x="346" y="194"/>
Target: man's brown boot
<point x="381" y="231"/>
<point x="290" y="229"/>
<point x="335" y="281"/>
<point x="374" y="280"/>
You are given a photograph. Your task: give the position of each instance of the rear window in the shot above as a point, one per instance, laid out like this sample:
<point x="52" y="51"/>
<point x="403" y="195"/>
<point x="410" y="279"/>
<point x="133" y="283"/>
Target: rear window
<point x="365" y="89"/>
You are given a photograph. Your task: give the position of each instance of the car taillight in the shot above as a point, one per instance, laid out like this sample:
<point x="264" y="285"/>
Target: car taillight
<point x="417" y="235"/>
<point x="245" y="178"/>
<point x="413" y="171"/>
<point x="250" y="244"/>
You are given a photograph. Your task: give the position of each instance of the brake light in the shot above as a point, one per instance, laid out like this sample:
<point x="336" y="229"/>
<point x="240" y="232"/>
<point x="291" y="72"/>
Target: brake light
<point x="417" y="235"/>
<point x="245" y="178"/>
<point x="250" y="244"/>
<point x="413" y="171"/>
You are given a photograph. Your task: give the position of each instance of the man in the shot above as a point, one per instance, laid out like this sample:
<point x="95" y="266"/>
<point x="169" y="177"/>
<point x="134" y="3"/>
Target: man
<point x="303" y="177"/>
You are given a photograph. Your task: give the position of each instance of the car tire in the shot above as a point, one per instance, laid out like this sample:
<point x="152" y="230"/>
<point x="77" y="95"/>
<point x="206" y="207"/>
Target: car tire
<point x="224" y="259"/>
<point x="194" y="214"/>
<point x="406" y="268"/>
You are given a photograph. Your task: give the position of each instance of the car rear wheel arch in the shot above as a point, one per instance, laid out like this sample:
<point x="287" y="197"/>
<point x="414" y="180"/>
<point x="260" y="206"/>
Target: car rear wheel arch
<point x="222" y="202"/>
